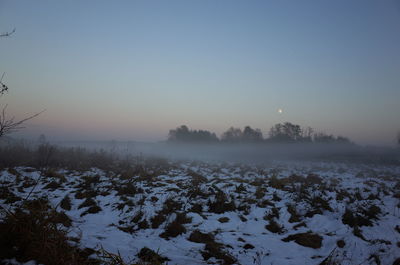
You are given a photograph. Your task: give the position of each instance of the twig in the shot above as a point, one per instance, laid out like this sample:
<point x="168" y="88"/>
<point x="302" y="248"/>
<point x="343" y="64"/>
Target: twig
<point x="8" y="34"/>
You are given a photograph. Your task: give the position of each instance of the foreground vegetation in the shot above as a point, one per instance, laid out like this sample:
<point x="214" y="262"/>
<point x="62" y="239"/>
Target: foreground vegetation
<point x="93" y="208"/>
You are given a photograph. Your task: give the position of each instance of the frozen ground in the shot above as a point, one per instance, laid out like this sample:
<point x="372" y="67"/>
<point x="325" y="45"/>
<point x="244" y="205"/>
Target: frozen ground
<point x="199" y="213"/>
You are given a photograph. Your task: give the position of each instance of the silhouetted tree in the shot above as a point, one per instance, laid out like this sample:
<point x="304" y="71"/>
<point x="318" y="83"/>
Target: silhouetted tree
<point x="42" y="139"/>
<point x="179" y="134"/>
<point x="203" y="135"/>
<point x="324" y="138"/>
<point x="252" y="135"/>
<point x="183" y="134"/>
<point x="342" y="140"/>
<point x="281" y="132"/>
<point x="307" y="134"/>
<point x="232" y="135"/>
<point x="286" y="132"/>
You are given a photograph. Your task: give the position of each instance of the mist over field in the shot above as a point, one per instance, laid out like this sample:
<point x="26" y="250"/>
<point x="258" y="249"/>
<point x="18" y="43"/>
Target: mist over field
<point x="251" y="153"/>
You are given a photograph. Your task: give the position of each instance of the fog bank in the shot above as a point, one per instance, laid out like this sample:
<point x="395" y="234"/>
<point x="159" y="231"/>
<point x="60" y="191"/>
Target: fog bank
<point x="248" y="153"/>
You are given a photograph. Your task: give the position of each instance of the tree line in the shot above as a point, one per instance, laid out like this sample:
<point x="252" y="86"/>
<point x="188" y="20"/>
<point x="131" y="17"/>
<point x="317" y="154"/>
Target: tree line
<point x="279" y="133"/>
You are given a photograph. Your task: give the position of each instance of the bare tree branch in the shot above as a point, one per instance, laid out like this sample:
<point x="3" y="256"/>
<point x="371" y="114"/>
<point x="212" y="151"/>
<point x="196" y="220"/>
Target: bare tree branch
<point x="9" y="125"/>
<point x="3" y="87"/>
<point x="7" y="34"/>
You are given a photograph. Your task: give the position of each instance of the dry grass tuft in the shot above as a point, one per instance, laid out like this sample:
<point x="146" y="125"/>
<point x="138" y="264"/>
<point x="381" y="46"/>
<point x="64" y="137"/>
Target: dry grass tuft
<point x="212" y="248"/>
<point x="33" y="232"/>
<point x="308" y="239"/>
<point x="66" y="203"/>
<point x="173" y="229"/>
<point x="274" y="227"/>
<point x="221" y="204"/>
<point x="149" y="256"/>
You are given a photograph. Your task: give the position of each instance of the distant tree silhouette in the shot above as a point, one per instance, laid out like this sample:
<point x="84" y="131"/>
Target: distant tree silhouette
<point x="342" y="140"/>
<point x="252" y="135"/>
<point x="179" y="134"/>
<point x="307" y="134"/>
<point x="237" y="135"/>
<point x="286" y="132"/>
<point x="232" y="135"/>
<point x="183" y="134"/>
<point x="42" y="139"/>
<point x="204" y="135"/>
<point x="324" y="138"/>
<point x="281" y="133"/>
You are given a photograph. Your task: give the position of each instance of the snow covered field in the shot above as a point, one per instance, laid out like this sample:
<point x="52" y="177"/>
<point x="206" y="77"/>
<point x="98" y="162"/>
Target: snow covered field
<point x="213" y="213"/>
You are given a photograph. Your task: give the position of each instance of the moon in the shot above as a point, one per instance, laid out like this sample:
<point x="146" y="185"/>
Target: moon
<point x="280" y="111"/>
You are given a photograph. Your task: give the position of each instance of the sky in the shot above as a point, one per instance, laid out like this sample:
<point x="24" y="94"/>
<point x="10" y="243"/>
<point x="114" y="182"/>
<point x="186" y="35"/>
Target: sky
<point x="132" y="70"/>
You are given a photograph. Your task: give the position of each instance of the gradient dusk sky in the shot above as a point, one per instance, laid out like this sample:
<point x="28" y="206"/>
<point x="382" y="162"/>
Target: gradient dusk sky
<point x="132" y="70"/>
